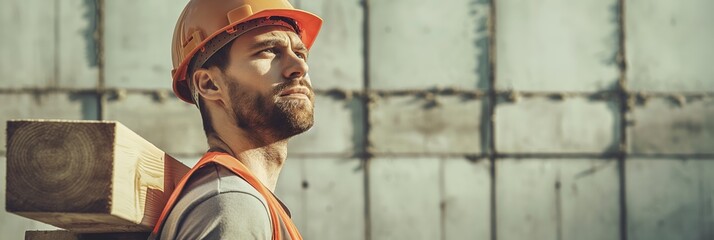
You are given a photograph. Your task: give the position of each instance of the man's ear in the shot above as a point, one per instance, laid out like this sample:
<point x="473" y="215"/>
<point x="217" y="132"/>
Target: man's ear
<point x="206" y="84"/>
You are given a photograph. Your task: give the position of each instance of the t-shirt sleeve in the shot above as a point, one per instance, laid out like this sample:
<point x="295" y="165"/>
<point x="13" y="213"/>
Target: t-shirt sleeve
<point x="228" y="215"/>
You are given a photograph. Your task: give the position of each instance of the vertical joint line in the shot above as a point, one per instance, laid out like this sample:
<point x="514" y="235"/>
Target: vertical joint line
<point x="622" y="86"/>
<point x="366" y="154"/>
<point x="99" y="38"/>
<point x="623" y="197"/>
<point x="624" y="108"/>
<point x="491" y="116"/>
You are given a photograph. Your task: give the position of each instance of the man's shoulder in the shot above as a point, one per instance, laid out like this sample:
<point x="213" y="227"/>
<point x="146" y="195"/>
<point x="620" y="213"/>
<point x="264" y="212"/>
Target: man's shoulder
<point x="226" y="215"/>
<point x="215" y="181"/>
<point x="214" y="196"/>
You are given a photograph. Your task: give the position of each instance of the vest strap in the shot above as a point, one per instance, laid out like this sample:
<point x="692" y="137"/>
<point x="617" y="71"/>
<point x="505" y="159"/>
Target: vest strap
<point x="235" y="166"/>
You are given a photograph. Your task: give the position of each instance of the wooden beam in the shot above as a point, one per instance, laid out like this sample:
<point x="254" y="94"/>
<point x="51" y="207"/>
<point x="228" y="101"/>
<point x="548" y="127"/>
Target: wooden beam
<point x="87" y="176"/>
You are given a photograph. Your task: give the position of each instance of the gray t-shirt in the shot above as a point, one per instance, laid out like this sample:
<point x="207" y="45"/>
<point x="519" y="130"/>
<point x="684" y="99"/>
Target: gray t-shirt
<point x="217" y="204"/>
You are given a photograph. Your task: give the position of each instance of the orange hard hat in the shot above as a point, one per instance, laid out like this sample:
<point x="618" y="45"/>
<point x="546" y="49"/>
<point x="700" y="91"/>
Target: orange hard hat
<point x="204" y="20"/>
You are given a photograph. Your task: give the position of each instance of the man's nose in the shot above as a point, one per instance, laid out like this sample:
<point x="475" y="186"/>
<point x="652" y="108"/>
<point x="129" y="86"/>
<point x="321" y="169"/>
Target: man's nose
<point x="296" y="67"/>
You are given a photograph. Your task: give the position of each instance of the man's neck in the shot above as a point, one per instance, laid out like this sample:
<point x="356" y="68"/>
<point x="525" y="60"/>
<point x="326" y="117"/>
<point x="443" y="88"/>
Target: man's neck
<point x="263" y="157"/>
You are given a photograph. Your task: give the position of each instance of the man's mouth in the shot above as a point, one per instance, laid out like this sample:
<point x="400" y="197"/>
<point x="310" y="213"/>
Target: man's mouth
<point x="295" y="92"/>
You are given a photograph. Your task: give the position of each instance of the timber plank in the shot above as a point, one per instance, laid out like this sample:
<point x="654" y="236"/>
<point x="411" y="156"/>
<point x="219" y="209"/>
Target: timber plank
<point x="87" y="176"/>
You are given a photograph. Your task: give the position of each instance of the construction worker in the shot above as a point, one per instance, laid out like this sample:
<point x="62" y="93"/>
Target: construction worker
<point x="244" y="64"/>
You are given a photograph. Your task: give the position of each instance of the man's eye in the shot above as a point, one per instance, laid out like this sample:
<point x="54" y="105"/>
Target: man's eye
<point x="268" y="52"/>
<point x="301" y="55"/>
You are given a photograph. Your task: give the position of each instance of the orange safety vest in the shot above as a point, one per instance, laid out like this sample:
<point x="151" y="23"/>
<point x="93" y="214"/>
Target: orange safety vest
<point x="235" y="166"/>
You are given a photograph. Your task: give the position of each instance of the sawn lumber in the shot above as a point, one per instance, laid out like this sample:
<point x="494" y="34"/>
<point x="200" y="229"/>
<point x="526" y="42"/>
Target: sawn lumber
<point x="87" y="176"/>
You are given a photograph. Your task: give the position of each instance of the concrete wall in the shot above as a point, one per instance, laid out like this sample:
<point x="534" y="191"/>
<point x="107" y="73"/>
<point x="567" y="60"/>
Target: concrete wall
<point x="460" y="119"/>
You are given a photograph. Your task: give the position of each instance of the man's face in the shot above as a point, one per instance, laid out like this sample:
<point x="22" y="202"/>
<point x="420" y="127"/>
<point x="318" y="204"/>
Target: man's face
<point x="268" y="86"/>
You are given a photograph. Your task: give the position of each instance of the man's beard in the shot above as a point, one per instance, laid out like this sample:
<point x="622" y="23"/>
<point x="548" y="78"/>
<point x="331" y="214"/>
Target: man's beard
<point x="280" y="117"/>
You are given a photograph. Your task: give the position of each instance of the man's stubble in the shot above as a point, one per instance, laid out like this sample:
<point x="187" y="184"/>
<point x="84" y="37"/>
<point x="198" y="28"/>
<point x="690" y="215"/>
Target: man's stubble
<point x="280" y="117"/>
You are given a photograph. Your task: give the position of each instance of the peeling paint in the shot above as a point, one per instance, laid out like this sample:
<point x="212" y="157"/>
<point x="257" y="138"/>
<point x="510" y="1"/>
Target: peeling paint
<point x="643" y="98"/>
<point x="120" y="94"/>
<point x="679" y="99"/>
<point x="161" y="95"/>
<point x="631" y="101"/>
<point x="513" y="96"/>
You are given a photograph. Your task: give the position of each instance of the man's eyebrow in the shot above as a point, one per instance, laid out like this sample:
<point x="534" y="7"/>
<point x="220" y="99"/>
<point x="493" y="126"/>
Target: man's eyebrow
<point x="272" y="42"/>
<point x="300" y="46"/>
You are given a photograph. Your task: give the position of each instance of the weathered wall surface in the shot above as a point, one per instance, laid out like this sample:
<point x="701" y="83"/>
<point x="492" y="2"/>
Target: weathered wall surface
<point x="460" y="119"/>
